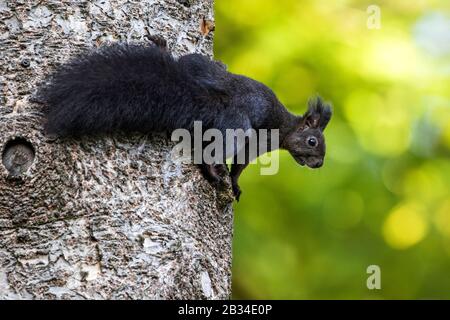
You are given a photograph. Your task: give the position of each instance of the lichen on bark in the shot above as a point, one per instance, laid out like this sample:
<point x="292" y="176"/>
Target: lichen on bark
<point x="111" y="217"/>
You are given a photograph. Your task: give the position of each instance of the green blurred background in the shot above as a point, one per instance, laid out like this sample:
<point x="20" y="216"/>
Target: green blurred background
<point x="383" y="195"/>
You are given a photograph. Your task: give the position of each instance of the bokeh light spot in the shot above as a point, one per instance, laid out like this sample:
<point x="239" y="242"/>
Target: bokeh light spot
<point x="381" y="126"/>
<point x="405" y="226"/>
<point x="424" y="184"/>
<point x="392" y="57"/>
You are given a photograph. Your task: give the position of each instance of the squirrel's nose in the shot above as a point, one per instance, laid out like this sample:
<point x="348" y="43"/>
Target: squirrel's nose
<point x="318" y="164"/>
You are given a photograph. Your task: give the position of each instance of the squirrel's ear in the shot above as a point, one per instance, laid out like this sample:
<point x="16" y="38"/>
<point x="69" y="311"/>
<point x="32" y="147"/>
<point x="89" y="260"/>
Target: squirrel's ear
<point x="318" y="114"/>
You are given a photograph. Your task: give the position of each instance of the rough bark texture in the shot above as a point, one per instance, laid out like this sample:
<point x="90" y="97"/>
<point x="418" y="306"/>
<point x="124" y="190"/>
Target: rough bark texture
<point x="110" y="217"/>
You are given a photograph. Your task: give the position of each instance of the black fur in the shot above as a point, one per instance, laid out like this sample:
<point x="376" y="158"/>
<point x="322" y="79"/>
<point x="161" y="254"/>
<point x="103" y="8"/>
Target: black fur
<point x="131" y="88"/>
<point x="143" y="88"/>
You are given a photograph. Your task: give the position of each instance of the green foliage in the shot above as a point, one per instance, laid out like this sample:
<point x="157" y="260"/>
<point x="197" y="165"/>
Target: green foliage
<point x="383" y="195"/>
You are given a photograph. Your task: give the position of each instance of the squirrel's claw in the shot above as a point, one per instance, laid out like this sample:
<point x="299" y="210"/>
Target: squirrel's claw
<point x="237" y="192"/>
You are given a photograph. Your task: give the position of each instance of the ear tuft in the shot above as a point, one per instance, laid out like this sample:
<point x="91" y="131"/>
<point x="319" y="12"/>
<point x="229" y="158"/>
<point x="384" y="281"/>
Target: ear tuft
<point x="318" y="114"/>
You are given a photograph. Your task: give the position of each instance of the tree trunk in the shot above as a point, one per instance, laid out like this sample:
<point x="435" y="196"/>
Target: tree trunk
<point x="111" y="217"/>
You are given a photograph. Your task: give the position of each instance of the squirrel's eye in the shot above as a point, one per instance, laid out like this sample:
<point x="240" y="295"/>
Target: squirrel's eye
<point x="312" y="141"/>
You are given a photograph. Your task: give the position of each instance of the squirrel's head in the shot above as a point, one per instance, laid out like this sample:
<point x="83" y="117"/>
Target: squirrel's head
<point x="306" y="142"/>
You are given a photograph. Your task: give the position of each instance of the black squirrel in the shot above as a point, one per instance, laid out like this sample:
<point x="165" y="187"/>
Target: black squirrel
<point x="143" y="88"/>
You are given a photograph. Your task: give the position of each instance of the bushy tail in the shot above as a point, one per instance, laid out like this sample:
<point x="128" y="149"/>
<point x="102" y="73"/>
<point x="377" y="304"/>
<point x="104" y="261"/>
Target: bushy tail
<point x="105" y="90"/>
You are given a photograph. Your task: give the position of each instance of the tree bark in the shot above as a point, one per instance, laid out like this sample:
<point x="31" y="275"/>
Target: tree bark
<point x="109" y="217"/>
